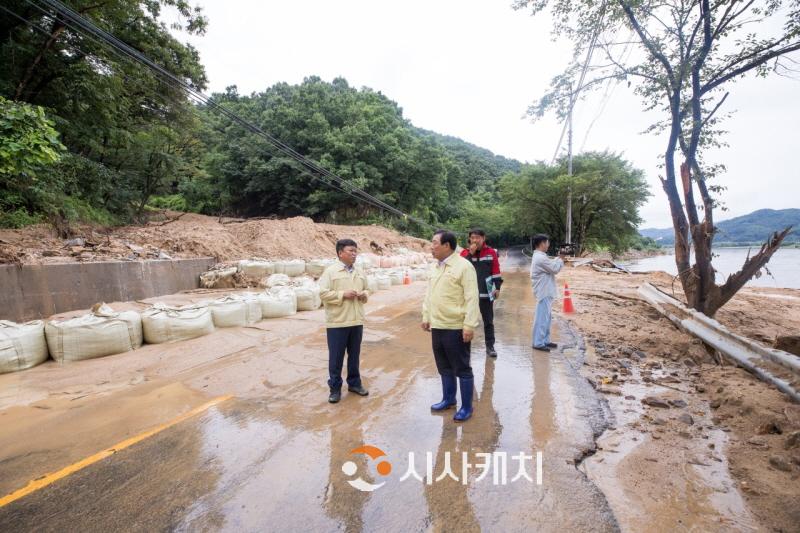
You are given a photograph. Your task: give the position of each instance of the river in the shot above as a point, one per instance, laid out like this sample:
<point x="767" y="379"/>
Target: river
<point x="784" y="267"/>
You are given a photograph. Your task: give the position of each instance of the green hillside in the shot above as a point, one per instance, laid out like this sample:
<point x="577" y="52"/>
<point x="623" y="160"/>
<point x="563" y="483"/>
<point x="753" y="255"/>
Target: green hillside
<point x="754" y="227"/>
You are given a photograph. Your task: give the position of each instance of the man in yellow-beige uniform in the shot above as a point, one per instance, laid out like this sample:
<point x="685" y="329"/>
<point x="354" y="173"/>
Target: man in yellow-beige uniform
<point x="343" y="290"/>
<point x="450" y="312"/>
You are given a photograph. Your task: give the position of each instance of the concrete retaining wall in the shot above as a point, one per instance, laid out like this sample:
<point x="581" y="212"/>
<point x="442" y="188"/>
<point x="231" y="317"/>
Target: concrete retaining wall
<point x="38" y="291"/>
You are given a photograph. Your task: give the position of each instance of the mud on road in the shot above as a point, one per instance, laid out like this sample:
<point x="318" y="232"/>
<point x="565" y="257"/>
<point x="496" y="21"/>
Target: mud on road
<point x="271" y="457"/>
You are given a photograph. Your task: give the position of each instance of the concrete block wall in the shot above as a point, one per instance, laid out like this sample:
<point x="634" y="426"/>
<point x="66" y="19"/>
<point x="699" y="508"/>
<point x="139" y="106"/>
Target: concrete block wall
<point x="31" y="292"/>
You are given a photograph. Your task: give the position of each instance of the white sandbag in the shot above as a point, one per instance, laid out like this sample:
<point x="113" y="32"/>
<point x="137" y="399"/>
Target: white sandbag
<point x="420" y="274"/>
<point x="372" y="283"/>
<point x="219" y="279"/>
<point x="278" y="302"/>
<point x="316" y="267"/>
<point x="384" y="282"/>
<point x="162" y="323"/>
<point x="256" y="268"/>
<point x="292" y="268"/>
<point x="308" y="298"/>
<point x="366" y="261"/>
<point x="396" y="277"/>
<point x="21" y="345"/>
<point x="276" y="280"/>
<point x="252" y="302"/>
<point x="227" y="312"/>
<point x="100" y="333"/>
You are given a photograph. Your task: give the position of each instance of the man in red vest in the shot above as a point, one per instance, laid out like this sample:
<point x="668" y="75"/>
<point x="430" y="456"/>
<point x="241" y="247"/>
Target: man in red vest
<point x="487" y="266"/>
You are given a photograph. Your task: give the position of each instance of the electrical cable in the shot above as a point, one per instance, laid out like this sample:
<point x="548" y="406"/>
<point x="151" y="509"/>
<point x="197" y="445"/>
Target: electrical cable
<point x="309" y="167"/>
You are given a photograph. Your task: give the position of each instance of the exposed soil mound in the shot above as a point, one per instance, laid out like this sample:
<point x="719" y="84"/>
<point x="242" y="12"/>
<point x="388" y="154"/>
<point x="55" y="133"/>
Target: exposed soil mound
<point x="185" y="235"/>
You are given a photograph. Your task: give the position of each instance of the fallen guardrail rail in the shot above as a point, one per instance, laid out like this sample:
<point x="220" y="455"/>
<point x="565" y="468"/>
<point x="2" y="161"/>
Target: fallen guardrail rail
<point x="745" y="352"/>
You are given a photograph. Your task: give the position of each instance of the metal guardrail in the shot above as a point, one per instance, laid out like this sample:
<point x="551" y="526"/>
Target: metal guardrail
<point x="743" y="351"/>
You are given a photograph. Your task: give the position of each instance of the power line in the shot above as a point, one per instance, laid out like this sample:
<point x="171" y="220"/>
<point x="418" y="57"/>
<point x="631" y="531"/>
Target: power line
<point x="609" y="92"/>
<point x="309" y="166"/>
<point x="574" y="94"/>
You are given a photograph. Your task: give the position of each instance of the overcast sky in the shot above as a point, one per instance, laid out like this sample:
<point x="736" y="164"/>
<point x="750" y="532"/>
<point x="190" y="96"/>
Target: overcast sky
<point x="470" y="68"/>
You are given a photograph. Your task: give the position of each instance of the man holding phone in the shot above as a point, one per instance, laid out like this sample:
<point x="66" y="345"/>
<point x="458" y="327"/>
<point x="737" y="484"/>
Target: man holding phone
<point x="343" y="290"/>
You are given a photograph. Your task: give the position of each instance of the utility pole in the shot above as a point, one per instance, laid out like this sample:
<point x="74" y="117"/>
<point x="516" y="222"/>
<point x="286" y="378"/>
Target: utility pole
<point x="569" y="169"/>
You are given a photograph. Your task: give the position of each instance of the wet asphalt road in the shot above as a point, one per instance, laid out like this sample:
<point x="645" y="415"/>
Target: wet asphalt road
<point x="275" y="463"/>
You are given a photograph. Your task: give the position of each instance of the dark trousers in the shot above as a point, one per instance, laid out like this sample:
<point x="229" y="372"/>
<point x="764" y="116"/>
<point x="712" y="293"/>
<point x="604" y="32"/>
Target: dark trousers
<point x="451" y="353"/>
<point x="339" y="341"/>
<point x="487" y="313"/>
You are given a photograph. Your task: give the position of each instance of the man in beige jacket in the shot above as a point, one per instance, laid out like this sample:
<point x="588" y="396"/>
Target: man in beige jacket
<point x="450" y="312"/>
<point x="343" y="290"/>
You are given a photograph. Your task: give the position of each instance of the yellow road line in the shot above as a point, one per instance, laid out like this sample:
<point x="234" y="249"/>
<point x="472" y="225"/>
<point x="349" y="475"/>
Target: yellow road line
<point x="48" y="479"/>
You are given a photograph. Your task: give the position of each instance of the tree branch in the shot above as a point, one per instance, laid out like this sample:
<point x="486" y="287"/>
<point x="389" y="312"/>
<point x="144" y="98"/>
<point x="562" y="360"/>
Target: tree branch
<point x="713" y="84"/>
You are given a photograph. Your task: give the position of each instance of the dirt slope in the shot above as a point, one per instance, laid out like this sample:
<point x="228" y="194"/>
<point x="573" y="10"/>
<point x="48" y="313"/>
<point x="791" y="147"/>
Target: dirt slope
<point x="191" y="235"/>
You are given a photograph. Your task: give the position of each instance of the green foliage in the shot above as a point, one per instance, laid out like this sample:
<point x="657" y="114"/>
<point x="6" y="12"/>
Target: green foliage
<point x="28" y="141"/>
<point x="358" y="134"/>
<point x="175" y="202"/>
<point x="29" y="147"/>
<point x="134" y="143"/>
<point x="128" y="134"/>
<point x="644" y="244"/>
<point x="607" y="193"/>
<point x="17" y="217"/>
<point x="77" y="210"/>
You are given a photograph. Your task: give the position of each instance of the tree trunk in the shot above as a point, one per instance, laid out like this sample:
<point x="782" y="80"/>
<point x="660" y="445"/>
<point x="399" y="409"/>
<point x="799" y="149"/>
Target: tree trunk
<point x="720" y="294"/>
<point x="55" y="32"/>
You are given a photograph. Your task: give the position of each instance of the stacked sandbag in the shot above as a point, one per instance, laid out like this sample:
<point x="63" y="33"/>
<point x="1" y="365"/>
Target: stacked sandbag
<point x="228" y="312"/>
<point x="388" y="261"/>
<point x="21" y="345"/>
<point x="276" y="280"/>
<point x="420" y="274"/>
<point x="292" y="267"/>
<point x="396" y="277"/>
<point x="102" y="332"/>
<point x="316" y="267"/>
<point x="256" y="268"/>
<point x="372" y="283"/>
<point x="278" y="302"/>
<point x="308" y="298"/>
<point x="224" y="278"/>
<point x="162" y="323"/>
<point x="252" y="302"/>
<point x="367" y="261"/>
<point x="384" y="282"/>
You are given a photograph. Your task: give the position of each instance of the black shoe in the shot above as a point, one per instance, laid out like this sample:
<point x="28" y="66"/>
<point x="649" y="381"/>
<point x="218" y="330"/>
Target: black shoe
<point x="551" y="345"/>
<point x="335" y="396"/>
<point x="541" y="348"/>
<point x="490" y="351"/>
<point x="361" y="391"/>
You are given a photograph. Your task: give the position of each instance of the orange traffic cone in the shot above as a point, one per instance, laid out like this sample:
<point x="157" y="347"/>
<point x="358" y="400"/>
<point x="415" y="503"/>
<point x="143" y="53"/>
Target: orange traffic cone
<point x="407" y="279"/>
<point x="568" y="307"/>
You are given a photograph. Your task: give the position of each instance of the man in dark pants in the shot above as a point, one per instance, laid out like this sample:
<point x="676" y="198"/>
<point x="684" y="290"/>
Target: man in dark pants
<point x="343" y="290"/>
<point x="487" y="267"/>
<point x="450" y="313"/>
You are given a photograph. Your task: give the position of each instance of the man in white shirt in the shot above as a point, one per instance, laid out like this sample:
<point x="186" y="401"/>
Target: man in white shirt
<point x="543" y="278"/>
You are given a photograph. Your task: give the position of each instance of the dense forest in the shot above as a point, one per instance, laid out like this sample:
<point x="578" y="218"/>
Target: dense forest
<point x="89" y="136"/>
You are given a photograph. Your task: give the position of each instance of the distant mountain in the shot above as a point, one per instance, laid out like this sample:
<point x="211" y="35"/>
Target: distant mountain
<point x="752" y="228"/>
